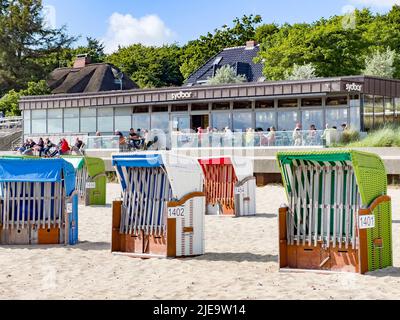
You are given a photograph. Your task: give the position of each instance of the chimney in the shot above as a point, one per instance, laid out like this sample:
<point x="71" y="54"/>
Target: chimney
<point x="82" y="60"/>
<point x="250" y="44"/>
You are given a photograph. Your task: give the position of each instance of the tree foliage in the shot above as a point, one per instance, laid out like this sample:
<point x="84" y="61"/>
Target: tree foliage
<point x="24" y="42"/>
<point x="9" y="102"/>
<point x="224" y="75"/>
<point x="304" y="72"/>
<point x="381" y="64"/>
<point x="149" y="67"/>
<point x="333" y="46"/>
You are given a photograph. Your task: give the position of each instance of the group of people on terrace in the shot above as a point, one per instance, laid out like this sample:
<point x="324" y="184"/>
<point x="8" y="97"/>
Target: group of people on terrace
<point x="140" y="139"/>
<point x="46" y="148"/>
<point x="266" y="138"/>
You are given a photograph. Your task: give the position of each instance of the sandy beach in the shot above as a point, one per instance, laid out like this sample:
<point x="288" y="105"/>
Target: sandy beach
<point x="241" y="262"/>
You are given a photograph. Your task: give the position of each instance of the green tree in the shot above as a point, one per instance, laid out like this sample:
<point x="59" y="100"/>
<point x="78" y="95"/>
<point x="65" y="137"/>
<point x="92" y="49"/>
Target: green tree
<point x="333" y="46"/>
<point x="224" y="75"/>
<point x="265" y="31"/>
<point x="381" y="64"/>
<point x="149" y="67"/>
<point x="9" y="102"/>
<point x="66" y="57"/>
<point x="197" y="52"/>
<point x="304" y="72"/>
<point x="24" y="42"/>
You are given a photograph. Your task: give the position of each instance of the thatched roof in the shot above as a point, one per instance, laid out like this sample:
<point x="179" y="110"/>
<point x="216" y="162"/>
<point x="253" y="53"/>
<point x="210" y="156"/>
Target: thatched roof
<point x="94" y="77"/>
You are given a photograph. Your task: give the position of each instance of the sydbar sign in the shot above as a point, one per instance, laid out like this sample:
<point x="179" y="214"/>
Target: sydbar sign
<point x="350" y="87"/>
<point x="181" y="95"/>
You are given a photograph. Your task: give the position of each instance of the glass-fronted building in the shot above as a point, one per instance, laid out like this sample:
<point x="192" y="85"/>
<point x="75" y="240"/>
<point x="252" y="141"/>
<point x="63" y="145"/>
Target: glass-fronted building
<point x="362" y="102"/>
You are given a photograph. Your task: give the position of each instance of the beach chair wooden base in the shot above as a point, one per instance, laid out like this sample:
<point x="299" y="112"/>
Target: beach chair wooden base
<point x="15" y="236"/>
<point x="319" y="258"/>
<point x="49" y="236"/>
<point x="30" y="236"/>
<point x="142" y="244"/>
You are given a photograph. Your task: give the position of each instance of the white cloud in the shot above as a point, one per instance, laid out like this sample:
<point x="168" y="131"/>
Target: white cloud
<point x="348" y="9"/>
<point x="49" y="17"/>
<point x="124" y="30"/>
<point x="377" y="3"/>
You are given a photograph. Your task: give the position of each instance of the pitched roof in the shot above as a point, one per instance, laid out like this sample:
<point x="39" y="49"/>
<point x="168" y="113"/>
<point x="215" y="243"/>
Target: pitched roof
<point x="240" y="58"/>
<point x="94" y="77"/>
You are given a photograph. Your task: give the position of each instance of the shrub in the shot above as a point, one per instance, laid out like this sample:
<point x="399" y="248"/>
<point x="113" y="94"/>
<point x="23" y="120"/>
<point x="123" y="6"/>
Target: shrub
<point x="349" y="136"/>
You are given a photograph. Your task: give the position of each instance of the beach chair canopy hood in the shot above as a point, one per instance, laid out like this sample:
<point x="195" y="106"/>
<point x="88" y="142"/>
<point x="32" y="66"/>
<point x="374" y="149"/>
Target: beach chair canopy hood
<point x="77" y="162"/>
<point x="369" y="169"/>
<point x="38" y="170"/>
<point x="184" y="173"/>
<point x="243" y="166"/>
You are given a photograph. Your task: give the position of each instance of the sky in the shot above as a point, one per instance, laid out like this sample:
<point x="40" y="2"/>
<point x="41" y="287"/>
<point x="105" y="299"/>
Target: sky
<point x="157" y="22"/>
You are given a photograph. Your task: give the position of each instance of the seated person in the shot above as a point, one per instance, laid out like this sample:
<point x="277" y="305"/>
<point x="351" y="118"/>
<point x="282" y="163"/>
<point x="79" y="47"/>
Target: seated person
<point x="121" y="141"/>
<point x="39" y="146"/>
<point x="64" y="147"/>
<point x="77" y="147"/>
<point x="29" y="148"/>
<point x="24" y="146"/>
<point x="135" y="141"/>
<point x="47" y="147"/>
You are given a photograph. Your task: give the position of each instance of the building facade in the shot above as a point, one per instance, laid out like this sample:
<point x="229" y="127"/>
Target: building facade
<point x="362" y="102"/>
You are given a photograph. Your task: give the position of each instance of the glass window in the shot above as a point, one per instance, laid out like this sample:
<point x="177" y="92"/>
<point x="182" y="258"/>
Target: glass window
<point x="160" y="121"/>
<point x="160" y="108"/>
<point x="71" y="120"/>
<point x="311" y="102"/>
<point x="336" y="117"/>
<point x="26" y="114"/>
<point x="336" y="101"/>
<point x="54" y="120"/>
<point x="312" y="117"/>
<point x="179" y="108"/>
<point x="141" y="121"/>
<point x="200" y="107"/>
<point x="287" y="120"/>
<point x="389" y="110"/>
<point x="355" y="114"/>
<point x="141" y="109"/>
<point x="221" y="120"/>
<point x="180" y="123"/>
<point x="105" y="121"/>
<point x="27" y="121"/>
<point x="242" y="121"/>
<point x="242" y="105"/>
<point x="368" y="112"/>
<point x="379" y="118"/>
<point x="39" y="114"/>
<point x="39" y="121"/>
<point x="288" y="103"/>
<point x="221" y="106"/>
<point x="397" y="110"/>
<point x="123" y="119"/>
<point x="265" y="104"/>
<point x="88" y="120"/>
<point x="124" y="111"/>
<point x="265" y="120"/>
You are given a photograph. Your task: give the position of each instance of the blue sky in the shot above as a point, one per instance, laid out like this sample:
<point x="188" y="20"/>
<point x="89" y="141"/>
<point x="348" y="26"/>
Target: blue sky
<point x="123" y="22"/>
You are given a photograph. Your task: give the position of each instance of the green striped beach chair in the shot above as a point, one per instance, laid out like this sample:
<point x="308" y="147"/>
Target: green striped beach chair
<point x="339" y="214"/>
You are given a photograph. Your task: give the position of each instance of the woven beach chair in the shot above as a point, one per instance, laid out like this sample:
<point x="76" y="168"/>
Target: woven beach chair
<point x="163" y="206"/>
<point x="339" y="214"/>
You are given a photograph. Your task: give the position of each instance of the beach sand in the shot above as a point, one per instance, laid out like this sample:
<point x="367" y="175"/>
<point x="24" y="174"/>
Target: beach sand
<point x="241" y="262"/>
